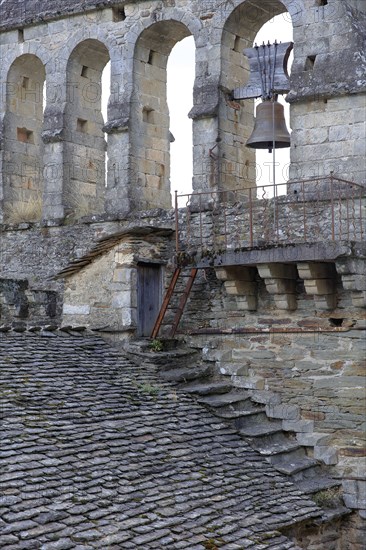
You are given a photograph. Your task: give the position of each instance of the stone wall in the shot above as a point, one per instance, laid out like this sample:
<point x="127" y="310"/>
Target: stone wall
<point x="104" y="296"/>
<point x="327" y="135"/>
<point x="21" y="305"/>
<point x="70" y="144"/>
<point x="37" y="253"/>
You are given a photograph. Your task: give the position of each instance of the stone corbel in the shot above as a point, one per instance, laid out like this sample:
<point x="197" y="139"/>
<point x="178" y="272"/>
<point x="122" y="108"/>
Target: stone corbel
<point x="321" y="282"/>
<point x="353" y="274"/>
<point x="116" y="126"/>
<point x="280" y="281"/>
<point x="240" y="282"/>
<point x="205" y="101"/>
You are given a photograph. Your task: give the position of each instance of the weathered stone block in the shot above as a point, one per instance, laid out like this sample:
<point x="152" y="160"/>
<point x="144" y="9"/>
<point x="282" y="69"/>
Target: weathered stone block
<point x="326" y="454"/>
<point x="354" y="493"/>
<point x="252" y="382"/>
<point x="70" y="309"/>
<point x="283" y="411"/>
<point x="299" y="426"/>
<point x="314" y="438"/>
<point x="278" y="271"/>
<point x="286" y="301"/>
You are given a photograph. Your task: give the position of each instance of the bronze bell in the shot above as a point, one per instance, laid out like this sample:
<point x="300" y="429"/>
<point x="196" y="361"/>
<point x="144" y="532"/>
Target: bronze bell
<point x="270" y="126"/>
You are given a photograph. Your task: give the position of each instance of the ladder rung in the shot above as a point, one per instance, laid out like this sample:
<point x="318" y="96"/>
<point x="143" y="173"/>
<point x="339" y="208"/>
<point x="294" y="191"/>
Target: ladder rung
<point x="183" y="302"/>
<point x="165" y="303"/>
<point x="167" y="298"/>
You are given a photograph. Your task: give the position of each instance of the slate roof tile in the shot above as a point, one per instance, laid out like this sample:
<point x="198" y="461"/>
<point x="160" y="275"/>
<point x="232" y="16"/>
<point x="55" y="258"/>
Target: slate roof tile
<point x="97" y="452"/>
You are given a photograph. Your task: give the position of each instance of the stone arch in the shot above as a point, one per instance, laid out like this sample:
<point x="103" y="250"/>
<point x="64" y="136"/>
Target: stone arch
<point x="23" y="146"/>
<point x="149" y="119"/>
<point x="237" y="167"/>
<point x="85" y="145"/>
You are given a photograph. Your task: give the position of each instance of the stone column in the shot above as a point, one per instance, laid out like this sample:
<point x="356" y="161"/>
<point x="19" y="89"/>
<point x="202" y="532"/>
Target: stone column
<point x="53" y="140"/>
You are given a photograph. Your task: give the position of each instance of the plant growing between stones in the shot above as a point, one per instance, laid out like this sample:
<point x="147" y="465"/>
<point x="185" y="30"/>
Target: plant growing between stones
<point x="328" y="498"/>
<point x="156" y="345"/>
<point x="24" y="209"/>
<point x="149" y="389"/>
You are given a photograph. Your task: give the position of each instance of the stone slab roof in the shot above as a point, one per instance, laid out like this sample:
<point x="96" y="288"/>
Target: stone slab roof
<point x="97" y="452"/>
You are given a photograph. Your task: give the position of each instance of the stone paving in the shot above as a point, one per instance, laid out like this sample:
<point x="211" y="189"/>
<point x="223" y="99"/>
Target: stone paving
<point x="99" y="453"/>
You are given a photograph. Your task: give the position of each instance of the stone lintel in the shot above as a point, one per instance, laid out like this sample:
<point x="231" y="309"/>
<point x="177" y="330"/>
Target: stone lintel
<point x="293" y="253"/>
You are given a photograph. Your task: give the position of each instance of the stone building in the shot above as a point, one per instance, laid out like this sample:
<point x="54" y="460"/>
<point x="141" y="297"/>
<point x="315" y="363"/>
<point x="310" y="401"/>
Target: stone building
<point x="88" y="236"/>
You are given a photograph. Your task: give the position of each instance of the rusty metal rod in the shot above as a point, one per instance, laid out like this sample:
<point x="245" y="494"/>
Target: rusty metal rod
<point x="252" y="330"/>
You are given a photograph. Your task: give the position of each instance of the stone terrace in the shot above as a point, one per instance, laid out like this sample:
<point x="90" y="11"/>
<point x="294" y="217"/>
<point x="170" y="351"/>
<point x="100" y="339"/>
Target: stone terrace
<point x="97" y="452"/>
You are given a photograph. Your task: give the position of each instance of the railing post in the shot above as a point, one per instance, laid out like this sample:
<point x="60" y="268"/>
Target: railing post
<point x="250" y="217"/>
<point x="176" y="222"/>
<point x="304" y="209"/>
<point x="332" y="204"/>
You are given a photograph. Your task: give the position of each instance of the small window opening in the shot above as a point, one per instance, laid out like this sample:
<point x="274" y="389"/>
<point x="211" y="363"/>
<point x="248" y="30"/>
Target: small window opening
<point x="82" y="125"/>
<point x="24" y="135"/>
<point x="148" y="115"/>
<point x="25" y="83"/>
<point x="336" y="322"/>
<point x="310" y="62"/>
<point x="119" y="14"/>
<point x="237" y="43"/>
<point x="85" y="71"/>
<point x="20" y="35"/>
<point x="321" y="2"/>
<point x="152" y="57"/>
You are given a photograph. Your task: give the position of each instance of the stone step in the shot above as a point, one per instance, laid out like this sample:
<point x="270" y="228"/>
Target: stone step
<point x="248" y="382"/>
<point x="265" y="397"/>
<point x="260" y="429"/>
<point x="316" y="484"/>
<point x="162" y="359"/>
<point x="295" y="465"/>
<point x="185" y="374"/>
<point x="279" y="445"/>
<point x="207" y="388"/>
<point x="231" y="398"/>
<point x="256" y="417"/>
<point x="231" y="405"/>
<point x="333" y="514"/>
<point x="231" y="413"/>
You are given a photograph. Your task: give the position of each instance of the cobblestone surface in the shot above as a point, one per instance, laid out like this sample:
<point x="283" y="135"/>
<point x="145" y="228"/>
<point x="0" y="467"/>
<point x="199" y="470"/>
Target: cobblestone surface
<point x="99" y="453"/>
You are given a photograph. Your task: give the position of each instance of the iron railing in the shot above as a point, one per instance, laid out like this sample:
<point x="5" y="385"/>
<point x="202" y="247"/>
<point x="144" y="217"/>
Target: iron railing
<point x="321" y="209"/>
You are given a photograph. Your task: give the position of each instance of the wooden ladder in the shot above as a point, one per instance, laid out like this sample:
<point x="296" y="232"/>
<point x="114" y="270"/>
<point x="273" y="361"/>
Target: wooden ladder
<point x="166" y="301"/>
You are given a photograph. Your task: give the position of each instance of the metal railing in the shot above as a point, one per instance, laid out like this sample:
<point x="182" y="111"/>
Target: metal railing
<point x="321" y="209"/>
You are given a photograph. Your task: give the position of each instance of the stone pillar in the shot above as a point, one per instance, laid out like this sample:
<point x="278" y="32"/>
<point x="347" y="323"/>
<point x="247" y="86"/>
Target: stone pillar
<point x="53" y="203"/>
<point x="206" y="131"/>
<point x="53" y="136"/>
<point x="1" y="173"/>
<point x="119" y="172"/>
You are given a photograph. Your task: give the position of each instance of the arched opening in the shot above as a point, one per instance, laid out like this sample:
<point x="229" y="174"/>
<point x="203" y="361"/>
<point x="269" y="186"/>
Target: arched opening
<point x="85" y="148"/>
<point x="23" y="167"/>
<point x="237" y="164"/>
<point x="181" y="73"/>
<point x="273" y="168"/>
<point x="151" y="136"/>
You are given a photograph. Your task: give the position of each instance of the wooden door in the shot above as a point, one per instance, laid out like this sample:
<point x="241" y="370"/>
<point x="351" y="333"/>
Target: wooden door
<point x="148" y="297"/>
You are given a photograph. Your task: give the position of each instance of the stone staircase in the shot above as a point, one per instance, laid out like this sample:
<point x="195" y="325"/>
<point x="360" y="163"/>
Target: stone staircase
<point x="249" y="415"/>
